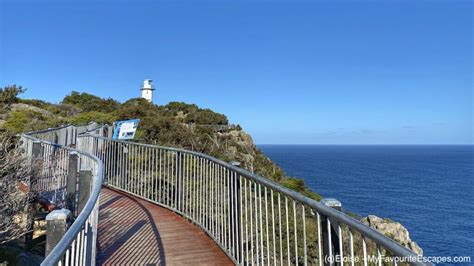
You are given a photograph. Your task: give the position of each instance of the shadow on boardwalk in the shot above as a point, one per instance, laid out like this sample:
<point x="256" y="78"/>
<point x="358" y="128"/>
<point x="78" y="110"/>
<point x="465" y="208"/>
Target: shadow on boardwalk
<point x="134" y="231"/>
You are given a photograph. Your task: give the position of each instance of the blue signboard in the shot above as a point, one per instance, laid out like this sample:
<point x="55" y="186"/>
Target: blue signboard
<point x="125" y="129"/>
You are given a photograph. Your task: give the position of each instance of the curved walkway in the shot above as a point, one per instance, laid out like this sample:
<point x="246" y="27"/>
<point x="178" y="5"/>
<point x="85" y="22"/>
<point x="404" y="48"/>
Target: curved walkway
<point x="136" y="232"/>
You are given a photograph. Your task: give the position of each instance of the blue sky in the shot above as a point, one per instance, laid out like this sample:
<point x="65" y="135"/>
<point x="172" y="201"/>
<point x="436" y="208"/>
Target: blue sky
<point x="290" y="72"/>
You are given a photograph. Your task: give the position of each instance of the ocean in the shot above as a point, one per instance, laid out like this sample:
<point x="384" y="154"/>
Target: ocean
<point x="429" y="189"/>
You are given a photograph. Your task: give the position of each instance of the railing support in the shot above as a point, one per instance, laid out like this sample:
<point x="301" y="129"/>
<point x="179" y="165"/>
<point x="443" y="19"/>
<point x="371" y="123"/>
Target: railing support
<point x="238" y="229"/>
<point x="57" y="225"/>
<point x="179" y="181"/>
<point x="36" y="154"/>
<point x="36" y="150"/>
<point x="71" y="183"/>
<point x="330" y="235"/>
<point x="121" y="170"/>
<point x="235" y="192"/>
<point x="90" y="245"/>
<point x="85" y="177"/>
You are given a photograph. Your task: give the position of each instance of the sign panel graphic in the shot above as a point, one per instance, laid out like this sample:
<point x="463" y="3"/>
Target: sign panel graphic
<point x="125" y="129"/>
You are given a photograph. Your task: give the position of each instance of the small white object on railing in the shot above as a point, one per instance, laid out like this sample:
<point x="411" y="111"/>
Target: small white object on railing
<point x="235" y="163"/>
<point x="333" y="203"/>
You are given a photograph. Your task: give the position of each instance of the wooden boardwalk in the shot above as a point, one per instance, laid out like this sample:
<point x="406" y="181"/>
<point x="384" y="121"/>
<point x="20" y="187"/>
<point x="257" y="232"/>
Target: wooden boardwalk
<point x="136" y="232"/>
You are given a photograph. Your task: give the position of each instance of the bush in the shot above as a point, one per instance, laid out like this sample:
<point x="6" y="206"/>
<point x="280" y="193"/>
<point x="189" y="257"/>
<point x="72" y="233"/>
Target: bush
<point x="174" y="107"/>
<point x="193" y="114"/>
<point x="15" y="171"/>
<point x="8" y="95"/>
<point x="206" y="117"/>
<point x="164" y="131"/>
<point x="66" y="110"/>
<point x="93" y="116"/>
<point x="136" y="108"/>
<point x="88" y="102"/>
<point x="25" y="120"/>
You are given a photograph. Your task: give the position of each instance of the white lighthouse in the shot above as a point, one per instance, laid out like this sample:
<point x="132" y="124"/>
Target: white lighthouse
<point x="147" y="90"/>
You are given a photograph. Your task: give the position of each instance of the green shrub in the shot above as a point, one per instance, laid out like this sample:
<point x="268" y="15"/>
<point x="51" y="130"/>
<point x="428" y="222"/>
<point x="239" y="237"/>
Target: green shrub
<point x="88" y="102"/>
<point x="93" y="116"/>
<point x="136" y="108"/>
<point x="19" y="121"/>
<point x="193" y="114"/>
<point x="8" y="95"/>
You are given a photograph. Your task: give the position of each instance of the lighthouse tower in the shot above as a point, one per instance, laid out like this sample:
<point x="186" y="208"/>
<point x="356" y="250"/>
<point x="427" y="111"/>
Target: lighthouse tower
<point x="147" y="90"/>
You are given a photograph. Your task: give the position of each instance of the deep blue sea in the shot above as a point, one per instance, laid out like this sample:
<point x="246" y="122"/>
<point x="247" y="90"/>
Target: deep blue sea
<point x="429" y="189"/>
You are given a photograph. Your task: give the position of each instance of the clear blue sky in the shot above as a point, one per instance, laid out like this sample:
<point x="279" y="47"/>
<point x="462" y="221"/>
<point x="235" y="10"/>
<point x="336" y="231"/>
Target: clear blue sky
<point x="329" y="72"/>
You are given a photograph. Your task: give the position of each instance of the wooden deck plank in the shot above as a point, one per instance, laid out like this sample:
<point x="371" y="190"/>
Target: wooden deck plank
<point x="133" y="231"/>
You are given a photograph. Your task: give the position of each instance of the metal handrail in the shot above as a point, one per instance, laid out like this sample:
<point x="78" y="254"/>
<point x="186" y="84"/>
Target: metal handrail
<point x="59" y="127"/>
<point x="329" y="215"/>
<point x="64" y="245"/>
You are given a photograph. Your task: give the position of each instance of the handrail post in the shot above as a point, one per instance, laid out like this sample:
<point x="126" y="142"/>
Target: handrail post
<point x="57" y="223"/>
<point x="90" y="245"/>
<point x="74" y="135"/>
<point x="235" y="179"/>
<point x="179" y="181"/>
<point x="61" y="137"/>
<point x="124" y="166"/>
<point x="330" y="234"/>
<point x="36" y="151"/>
<point x="36" y="154"/>
<point x="69" y="135"/>
<point x="71" y="182"/>
<point x="238" y="221"/>
<point x="85" y="177"/>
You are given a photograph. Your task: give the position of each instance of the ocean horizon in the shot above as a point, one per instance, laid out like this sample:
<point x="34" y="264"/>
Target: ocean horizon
<point x="425" y="187"/>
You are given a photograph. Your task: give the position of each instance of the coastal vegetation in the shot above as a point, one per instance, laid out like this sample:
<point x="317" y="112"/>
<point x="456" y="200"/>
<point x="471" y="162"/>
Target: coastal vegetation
<point x="175" y="124"/>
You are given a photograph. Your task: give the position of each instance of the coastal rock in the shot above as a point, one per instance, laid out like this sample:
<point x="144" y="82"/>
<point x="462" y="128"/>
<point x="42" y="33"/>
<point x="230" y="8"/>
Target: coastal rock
<point x="241" y="147"/>
<point x="241" y="138"/>
<point x="393" y="230"/>
<point x="181" y="115"/>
